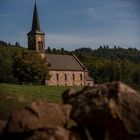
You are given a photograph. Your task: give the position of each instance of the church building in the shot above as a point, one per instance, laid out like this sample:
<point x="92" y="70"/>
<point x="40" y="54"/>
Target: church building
<point x="64" y="70"/>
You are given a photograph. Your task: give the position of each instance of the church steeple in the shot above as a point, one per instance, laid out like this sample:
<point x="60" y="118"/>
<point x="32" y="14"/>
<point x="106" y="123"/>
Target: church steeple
<point x="36" y="38"/>
<point x="35" y="23"/>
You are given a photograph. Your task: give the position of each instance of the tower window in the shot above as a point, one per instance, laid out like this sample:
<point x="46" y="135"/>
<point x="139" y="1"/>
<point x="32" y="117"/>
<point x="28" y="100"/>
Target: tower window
<point x="40" y="46"/>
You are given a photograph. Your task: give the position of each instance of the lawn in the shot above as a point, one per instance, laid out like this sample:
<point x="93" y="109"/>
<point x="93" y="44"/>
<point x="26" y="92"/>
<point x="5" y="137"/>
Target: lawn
<point x="33" y="92"/>
<point x="17" y="96"/>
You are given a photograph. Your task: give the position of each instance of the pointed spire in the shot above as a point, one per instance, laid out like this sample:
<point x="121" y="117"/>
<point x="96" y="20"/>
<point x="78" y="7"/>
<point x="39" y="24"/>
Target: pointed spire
<point x="35" y="23"/>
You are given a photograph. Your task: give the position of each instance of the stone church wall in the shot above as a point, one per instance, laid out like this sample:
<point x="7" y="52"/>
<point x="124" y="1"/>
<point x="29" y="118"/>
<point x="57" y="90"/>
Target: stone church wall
<point x="66" y="78"/>
<point x="89" y="83"/>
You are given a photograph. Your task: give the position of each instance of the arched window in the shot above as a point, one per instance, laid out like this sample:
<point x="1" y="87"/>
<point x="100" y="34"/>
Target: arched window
<point x="81" y="77"/>
<point x="73" y="77"/>
<point x="40" y="46"/>
<point x="65" y="77"/>
<point x="57" y="77"/>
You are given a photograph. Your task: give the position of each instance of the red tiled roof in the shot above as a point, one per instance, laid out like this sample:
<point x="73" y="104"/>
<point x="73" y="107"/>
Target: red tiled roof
<point x="63" y="62"/>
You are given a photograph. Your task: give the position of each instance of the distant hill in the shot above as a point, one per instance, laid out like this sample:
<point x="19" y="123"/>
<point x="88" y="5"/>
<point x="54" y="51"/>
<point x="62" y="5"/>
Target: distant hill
<point x="116" y="53"/>
<point x="4" y="44"/>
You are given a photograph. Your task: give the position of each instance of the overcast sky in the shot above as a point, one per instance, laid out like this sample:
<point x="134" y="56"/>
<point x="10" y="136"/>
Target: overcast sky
<point x="73" y="23"/>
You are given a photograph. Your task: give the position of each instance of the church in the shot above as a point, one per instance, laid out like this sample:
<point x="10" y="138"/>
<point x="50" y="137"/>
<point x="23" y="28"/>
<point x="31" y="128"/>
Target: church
<point x="64" y="70"/>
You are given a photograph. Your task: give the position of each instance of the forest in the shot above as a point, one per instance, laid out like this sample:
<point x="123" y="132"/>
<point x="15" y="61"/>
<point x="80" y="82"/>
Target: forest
<point x="105" y="64"/>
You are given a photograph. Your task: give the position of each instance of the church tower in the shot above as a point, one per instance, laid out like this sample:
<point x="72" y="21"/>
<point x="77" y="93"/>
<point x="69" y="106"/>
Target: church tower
<point x="36" y="38"/>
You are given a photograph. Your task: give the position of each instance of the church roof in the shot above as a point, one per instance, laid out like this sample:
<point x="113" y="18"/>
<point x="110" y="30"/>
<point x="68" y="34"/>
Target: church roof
<point x="35" y="23"/>
<point x="64" y="62"/>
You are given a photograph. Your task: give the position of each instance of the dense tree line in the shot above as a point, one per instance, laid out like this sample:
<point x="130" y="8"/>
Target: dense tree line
<point x="18" y="65"/>
<point x="131" y="54"/>
<point x="2" y="43"/>
<point x="57" y="51"/>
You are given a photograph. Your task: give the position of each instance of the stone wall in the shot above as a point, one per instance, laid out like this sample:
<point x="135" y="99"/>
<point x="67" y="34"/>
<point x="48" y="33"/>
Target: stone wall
<point x="65" y="78"/>
<point x="89" y="83"/>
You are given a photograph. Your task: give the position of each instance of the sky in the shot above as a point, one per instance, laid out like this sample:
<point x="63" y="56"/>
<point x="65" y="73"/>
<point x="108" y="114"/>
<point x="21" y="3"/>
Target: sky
<point x="72" y="24"/>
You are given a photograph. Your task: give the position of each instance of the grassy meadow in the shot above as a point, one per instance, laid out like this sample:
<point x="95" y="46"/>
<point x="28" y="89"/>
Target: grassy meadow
<point x="17" y="96"/>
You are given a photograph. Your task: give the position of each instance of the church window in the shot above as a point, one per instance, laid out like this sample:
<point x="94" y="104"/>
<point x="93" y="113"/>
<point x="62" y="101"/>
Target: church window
<point x="57" y="77"/>
<point x="81" y="77"/>
<point x="65" y="77"/>
<point x="73" y="77"/>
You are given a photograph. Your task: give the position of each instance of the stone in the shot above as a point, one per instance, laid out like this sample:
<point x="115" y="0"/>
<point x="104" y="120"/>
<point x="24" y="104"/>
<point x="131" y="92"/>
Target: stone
<point x="39" y="121"/>
<point x="2" y="125"/>
<point x="54" y="133"/>
<point x="109" y="111"/>
<point x="50" y="133"/>
<point x="38" y="115"/>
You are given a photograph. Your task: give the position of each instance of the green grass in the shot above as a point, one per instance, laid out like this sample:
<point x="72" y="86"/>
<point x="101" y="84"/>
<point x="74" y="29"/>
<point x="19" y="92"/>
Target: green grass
<point x="16" y="96"/>
<point x="34" y="92"/>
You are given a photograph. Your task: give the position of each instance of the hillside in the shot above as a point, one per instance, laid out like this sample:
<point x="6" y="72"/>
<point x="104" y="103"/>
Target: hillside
<point x="130" y="54"/>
